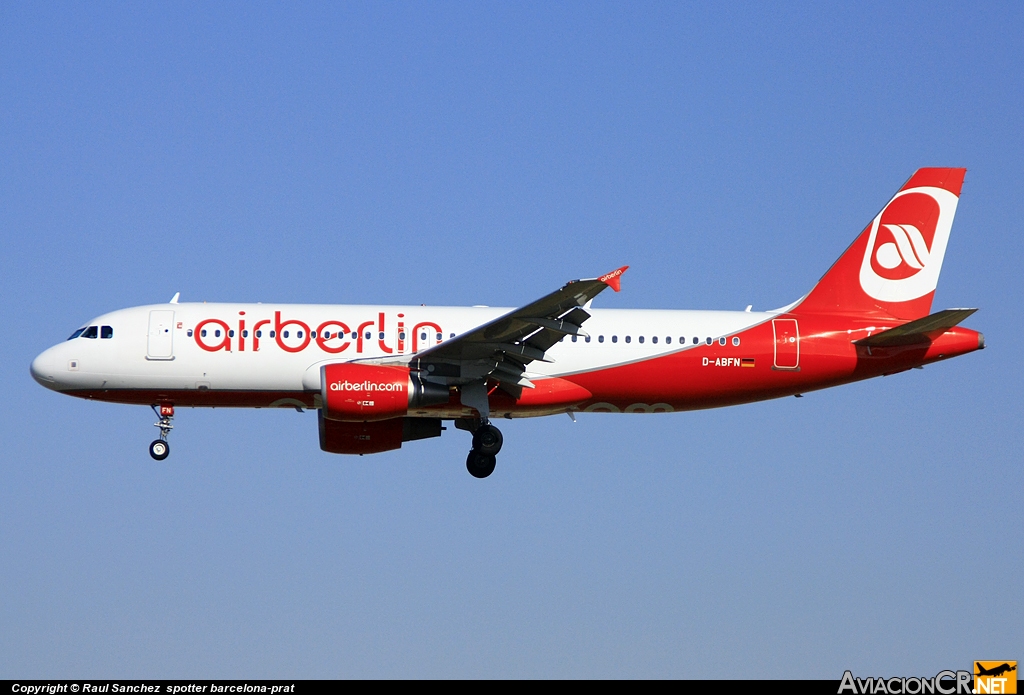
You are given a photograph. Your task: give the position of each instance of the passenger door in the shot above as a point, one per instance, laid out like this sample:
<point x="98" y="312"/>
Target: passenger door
<point x="787" y="343"/>
<point x="161" y="335"/>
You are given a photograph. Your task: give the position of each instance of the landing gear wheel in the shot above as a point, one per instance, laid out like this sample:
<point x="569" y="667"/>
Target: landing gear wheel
<point x="487" y="440"/>
<point x="159" y="449"/>
<point x="480" y="465"/>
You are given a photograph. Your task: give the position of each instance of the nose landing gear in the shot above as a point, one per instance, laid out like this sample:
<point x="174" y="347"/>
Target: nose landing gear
<point x="159" y="449"/>
<point x="487" y="441"/>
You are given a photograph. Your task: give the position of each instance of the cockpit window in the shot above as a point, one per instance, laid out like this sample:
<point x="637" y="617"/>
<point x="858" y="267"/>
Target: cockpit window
<point x="77" y="333"/>
<point x="91" y="332"/>
<point x="106" y="331"/>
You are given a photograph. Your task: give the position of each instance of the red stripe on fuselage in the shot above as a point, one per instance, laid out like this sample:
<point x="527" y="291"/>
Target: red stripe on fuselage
<point x="711" y="376"/>
<point x="703" y="376"/>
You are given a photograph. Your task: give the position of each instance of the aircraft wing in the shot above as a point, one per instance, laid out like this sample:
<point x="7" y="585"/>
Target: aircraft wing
<point x="502" y="348"/>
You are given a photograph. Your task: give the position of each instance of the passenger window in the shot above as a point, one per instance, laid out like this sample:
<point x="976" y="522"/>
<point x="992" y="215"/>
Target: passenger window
<point x="245" y="333"/>
<point x="440" y="337"/>
<point x="231" y="334"/>
<point x="423" y="336"/>
<point x="641" y="339"/>
<point x="696" y="340"/>
<point x="668" y="340"/>
<point x="709" y="340"/>
<point x="615" y="338"/>
<point x="203" y="333"/>
<point x="77" y="333"/>
<point x="736" y="340"/>
<point x="574" y="338"/>
<point x="106" y="331"/>
<point x="284" y="334"/>
<point x="368" y="335"/>
<point x="298" y="334"/>
<point x="273" y="334"/>
<point x="354" y="335"/>
<point x="452" y="335"/>
<point x="600" y="338"/>
<point x="587" y="339"/>
<point x="401" y="336"/>
<point x="721" y="341"/>
<point x="312" y="334"/>
<point x="190" y="333"/>
<point x="654" y="339"/>
<point x="90" y="332"/>
<point x="629" y="338"/>
<point x="216" y="333"/>
<point x="259" y="334"/>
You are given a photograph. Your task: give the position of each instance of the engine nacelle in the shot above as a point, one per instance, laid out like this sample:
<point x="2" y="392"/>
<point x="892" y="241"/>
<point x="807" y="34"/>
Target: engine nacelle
<point x="374" y="437"/>
<point x="368" y="392"/>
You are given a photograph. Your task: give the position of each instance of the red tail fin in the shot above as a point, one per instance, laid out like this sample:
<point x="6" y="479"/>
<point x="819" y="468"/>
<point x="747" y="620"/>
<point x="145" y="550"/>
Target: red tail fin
<point x="893" y="266"/>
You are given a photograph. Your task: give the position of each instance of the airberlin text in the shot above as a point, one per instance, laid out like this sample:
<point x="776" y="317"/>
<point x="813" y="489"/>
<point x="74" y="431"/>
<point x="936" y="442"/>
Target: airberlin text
<point x="943" y="683"/>
<point x="333" y="337"/>
<point x="365" y="386"/>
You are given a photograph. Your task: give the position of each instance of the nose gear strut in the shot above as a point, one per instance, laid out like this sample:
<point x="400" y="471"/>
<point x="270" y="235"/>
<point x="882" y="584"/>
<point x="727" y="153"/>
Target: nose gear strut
<point x="159" y="449"/>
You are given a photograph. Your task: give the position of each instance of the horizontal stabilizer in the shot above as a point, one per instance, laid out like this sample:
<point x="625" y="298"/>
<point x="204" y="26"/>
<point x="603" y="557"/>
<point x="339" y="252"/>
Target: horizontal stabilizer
<point x="919" y="331"/>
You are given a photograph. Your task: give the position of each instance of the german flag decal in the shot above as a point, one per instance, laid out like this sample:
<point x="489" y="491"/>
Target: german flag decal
<point x="747" y="362"/>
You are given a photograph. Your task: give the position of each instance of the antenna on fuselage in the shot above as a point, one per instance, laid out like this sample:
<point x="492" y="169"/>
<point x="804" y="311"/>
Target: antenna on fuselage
<point x="174" y="299"/>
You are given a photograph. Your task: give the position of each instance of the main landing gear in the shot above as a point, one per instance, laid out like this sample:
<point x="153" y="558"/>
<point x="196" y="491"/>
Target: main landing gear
<point x="487" y="442"/>
<point x="160" y="449"/>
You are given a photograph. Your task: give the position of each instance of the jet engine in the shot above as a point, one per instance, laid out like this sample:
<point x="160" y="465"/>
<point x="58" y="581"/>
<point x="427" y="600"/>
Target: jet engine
<point x="367" y="392"/>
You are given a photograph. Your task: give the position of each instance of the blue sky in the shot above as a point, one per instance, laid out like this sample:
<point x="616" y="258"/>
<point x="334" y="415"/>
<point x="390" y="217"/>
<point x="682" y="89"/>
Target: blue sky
<point x="485" y="153"/>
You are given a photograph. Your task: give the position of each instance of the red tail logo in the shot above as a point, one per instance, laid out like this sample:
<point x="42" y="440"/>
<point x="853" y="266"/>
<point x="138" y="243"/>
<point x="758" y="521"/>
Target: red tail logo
<point x="904" y="240"/>
<point x="893" y="266"/>
<point x="906" y="244"/>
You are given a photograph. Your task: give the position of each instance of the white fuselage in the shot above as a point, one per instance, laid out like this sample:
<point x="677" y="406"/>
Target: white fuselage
<point x="244" y="347"/>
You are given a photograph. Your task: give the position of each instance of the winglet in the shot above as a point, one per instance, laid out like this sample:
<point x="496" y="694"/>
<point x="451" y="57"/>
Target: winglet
<point x="614" y="278"/>
<point x="174" y="299"/>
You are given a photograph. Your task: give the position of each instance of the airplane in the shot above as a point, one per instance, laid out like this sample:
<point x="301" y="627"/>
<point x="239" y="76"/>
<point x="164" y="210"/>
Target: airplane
<point x="995" y="671"/>
<point x="380" y="376"/>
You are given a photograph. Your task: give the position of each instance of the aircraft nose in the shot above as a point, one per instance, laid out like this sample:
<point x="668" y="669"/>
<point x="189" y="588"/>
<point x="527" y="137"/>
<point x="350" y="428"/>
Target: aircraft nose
<point x="44" y="370"/>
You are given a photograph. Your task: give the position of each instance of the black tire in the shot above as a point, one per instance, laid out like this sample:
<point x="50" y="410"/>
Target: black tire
<point x="487" y="440"/>
<point x="480" y="465"/>
<point x="159" y="449"/>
